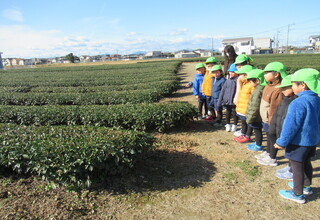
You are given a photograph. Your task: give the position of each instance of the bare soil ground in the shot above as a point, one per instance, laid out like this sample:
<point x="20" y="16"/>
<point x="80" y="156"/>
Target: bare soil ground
<point x="196" y="172"/>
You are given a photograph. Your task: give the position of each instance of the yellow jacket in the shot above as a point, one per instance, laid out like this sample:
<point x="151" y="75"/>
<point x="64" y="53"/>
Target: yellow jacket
<point x="244" y="97"/>
<point x="207" y="83"/>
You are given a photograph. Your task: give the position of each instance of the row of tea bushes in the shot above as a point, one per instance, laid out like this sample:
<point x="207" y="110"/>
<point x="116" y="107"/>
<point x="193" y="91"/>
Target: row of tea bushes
<point x="71" y="155"/>
<point x="144" y="117"/>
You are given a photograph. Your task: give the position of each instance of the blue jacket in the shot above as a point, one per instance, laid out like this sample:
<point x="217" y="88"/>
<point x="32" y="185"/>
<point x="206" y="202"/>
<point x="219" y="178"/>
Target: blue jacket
<point x="217" y="84"/>
<point x="228" y="92"/>
<point x="197" y="86"/>
<point x="302" y="123"/>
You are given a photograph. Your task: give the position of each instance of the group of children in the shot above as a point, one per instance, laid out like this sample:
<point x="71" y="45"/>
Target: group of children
<point x="285" y="106"/>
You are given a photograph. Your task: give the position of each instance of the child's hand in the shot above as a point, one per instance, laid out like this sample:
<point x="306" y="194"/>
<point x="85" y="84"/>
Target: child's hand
<point x="278" y="146"/>
<point x="197" y="97"/>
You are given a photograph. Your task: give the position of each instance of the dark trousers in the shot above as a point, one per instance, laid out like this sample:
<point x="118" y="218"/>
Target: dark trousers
<point x="258" y="135"/>
<point x="302" y="174"/>
<point x="210" y="109"/>
<point x="231" y="112"/>
<point x="271" y="140"/>
<point x="202" y="103"/>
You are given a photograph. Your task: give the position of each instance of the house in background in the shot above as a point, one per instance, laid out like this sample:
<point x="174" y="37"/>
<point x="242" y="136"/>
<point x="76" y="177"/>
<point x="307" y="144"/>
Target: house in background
<point x="204" y="53"/>
<point x="153" y="54"/>
<point x="263" y="45"/>
<point x="314" y="42"/>
<point x="186" y="54"/>
<point x="249" y="45"/>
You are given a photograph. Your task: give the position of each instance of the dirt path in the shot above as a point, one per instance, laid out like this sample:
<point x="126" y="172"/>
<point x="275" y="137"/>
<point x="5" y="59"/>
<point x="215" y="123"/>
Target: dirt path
<point x="239" y="188"/>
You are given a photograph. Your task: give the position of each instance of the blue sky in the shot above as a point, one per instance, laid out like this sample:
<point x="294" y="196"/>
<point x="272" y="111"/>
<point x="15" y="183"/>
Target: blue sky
<point x="36" y="28"/>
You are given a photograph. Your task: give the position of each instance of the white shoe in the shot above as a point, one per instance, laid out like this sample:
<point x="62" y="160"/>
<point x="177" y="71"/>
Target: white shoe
<point x="237" y="133"/>
<point x="228" y="127"/>
<point x="268" y="161"/>
<point x="262" y="155"/>
<point x="234" y="128"/>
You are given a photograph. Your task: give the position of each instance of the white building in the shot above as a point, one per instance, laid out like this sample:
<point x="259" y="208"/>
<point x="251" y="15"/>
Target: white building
<point x="184" y="54"/>
<point x="249" y="45"/>
<point x="204" y="53"/>
<point x="153" y="54"/>
<point x="314" y="42"/>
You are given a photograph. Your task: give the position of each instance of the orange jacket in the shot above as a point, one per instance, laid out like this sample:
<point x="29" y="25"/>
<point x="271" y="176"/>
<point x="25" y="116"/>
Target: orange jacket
<point x="207" y="84"/>
<point x="244" y="97"/>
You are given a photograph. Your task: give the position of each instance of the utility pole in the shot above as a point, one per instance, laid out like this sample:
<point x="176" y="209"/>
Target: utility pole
<point x="287" y="48"/>
<point x="212" y="43"/>
<point x="1" y="65"/>
<point x="277" y="42"/>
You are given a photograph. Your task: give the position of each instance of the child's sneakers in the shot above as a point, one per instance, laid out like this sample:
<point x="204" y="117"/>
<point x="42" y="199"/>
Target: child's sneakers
<point x="285" y="175"/>
<point x="268" y="161"/>
<point x="283" y="170"/>
<point x="234" y="128"/>
<point x="262" y="155"/>
<point x="209" y="118"/>
<point x="242" y="139"/>
<point x="307" y="190"/>
<point x="289" y="194"/>
<point x="228" y="127"/>
<point x="238" y="133"/>
<point x="254" y="147"/>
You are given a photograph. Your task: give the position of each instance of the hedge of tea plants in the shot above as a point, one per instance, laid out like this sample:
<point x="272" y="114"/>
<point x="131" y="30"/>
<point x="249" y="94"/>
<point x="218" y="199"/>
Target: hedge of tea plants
<point x="54" y="120"/>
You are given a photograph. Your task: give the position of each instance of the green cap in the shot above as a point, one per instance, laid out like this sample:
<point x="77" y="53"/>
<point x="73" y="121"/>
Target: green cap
<point x="200" y="65"/>
<point x="257" y="74"/>
<point x="243" y="58"/>
<point x="244" y="69"/>
<point x="216" y="67"/>
<point x="286" y="81"/>
<point x="211" y="60"/>
<point x="276" y="67"/>
<point x="310" y="76"/>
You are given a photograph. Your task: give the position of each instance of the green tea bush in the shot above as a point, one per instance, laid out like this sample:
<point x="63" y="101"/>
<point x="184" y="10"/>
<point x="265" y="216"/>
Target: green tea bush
<point x="144" y="117"/>
<point x="70" y="155"/>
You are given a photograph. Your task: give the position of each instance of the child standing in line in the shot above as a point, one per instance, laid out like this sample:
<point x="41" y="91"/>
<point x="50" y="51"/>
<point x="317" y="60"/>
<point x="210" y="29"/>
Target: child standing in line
<point x="253" y="118"/>
<point x="271" y="97"/>
<point x="300" y="133"/>
<point x="242" y="104"/>
<point x="196" y="88"/>
<point x="217" y="82"/>
<point x="276" y="125"/>
<point x="226" y="98"/>
<point x="207" y="85"/>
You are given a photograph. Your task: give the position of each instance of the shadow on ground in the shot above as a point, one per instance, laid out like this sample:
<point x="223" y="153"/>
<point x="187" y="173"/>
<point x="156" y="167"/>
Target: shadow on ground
<point x="163" y="170"/>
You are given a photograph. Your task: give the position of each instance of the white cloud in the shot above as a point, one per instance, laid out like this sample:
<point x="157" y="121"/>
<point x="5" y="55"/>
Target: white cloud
<point x="130" y="34"/>
<point x="13" y="15"/>
<point x="179" y="31"/>
<point x="202" y="36"/>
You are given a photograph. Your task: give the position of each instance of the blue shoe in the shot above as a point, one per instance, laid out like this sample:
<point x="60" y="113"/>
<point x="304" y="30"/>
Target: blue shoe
<point x="289" y="194"/>
<point x="252" y="144"/>
<point x="306" y="189"/>
<point x="255" y="148"/>
<point x="283" y="170"/>
<point x="285" y="176"/>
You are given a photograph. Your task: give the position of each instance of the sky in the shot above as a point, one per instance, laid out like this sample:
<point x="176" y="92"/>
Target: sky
<point x="37" y="28"/>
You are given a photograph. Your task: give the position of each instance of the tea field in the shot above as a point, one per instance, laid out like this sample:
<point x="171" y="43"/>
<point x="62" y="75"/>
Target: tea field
<point x="71" y="125"/>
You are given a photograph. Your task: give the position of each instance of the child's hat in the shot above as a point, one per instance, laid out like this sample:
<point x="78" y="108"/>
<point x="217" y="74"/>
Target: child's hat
<point x="211" y="60"/>
<point x="216" y="67"/>
<point x="286" y="81"/>
<point x="257" y="74"/>
<point x="244" y="69"/>
<point x="309" y="76"/>
<point x="276" y="67"/>
<point x="200" y="65"/>
<point x="232" y="68"/>
<point x="243" y="58"/>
